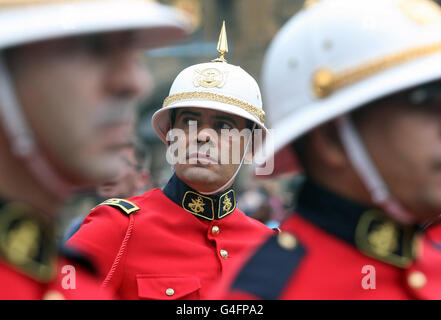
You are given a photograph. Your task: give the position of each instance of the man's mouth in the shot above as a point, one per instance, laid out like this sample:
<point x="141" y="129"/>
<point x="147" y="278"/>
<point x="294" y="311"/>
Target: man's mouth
<point x="199" y="158"/>
<point x="108" y="185"/>
<point x="119" y="135"/>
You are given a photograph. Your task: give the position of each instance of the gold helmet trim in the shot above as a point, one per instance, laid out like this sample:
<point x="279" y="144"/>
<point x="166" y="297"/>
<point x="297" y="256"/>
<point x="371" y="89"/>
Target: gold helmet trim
<point x="257" y="112"/>
<point x="325" y="82"/>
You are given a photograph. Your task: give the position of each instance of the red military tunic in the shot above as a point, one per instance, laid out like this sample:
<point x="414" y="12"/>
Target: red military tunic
<point x="173" y="244"/>
<point x="31" y="267"/>
<point x="333" y="248"/>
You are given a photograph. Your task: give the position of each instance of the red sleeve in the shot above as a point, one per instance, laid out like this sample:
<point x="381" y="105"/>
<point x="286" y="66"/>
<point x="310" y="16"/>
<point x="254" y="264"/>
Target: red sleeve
<point x="100" y="237"/>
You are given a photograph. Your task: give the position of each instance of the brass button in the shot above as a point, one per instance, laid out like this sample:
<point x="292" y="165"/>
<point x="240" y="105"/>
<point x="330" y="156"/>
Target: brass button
<point x="224" y="254"/>
<point x="323" y="82"/>
<point x="169" y="292"/>
<point x="53" y="295"/>
<point x="287" y="241"/>
<point x="215" y="230"/>
<point x="416" y="279"/>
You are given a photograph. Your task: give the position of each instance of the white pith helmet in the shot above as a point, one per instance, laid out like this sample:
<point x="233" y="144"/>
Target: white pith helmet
<point x="337" y="55"/>
<point x="215" y="85"/>
<point x="27" y="21"/>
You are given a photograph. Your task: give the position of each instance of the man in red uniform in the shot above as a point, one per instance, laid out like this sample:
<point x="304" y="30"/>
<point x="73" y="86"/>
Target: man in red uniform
<point x="353" y="88"/>
<point x="175" y="243"/>
<point x="71" y="74"/>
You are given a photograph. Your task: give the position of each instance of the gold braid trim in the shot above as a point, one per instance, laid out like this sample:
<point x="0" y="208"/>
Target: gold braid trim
<point x="259" y="113"/>
<point x="325" y="81"/>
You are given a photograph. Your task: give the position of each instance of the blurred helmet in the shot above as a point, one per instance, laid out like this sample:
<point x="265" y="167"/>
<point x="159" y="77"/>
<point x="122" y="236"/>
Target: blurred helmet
<point x="215" y="85"/>
<point x="25" y="21"/>
<point x="337" y="55"/>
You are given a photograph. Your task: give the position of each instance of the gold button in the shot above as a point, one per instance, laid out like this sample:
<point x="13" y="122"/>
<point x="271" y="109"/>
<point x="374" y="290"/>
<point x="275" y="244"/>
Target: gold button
<point x="169" y="292"/>
<point x="224" y="254"/>
<point x="416" y="280"/>
<point x="287" y="241"/>
<point x="215" y="230"/>
<point x="323" y="81"/>
<point x="53" y="295"/>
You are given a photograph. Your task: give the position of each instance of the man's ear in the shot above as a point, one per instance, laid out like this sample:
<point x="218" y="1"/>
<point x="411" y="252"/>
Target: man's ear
<point x="254" y="145"/>
<point x="166" y="135"/>
<point x="325" y="144"/>
<point x="143" y="180"/>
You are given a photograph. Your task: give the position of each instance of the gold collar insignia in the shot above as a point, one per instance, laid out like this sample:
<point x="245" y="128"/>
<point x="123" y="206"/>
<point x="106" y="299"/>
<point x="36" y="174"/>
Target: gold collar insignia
<point x="26" y="242"/>
<point x="384" y="239"/>
<point x="205" y="207"/>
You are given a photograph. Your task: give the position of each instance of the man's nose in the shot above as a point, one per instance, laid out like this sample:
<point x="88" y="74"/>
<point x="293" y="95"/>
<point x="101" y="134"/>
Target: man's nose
<point x="206" y="134"/>
<point x="128" y="76"/>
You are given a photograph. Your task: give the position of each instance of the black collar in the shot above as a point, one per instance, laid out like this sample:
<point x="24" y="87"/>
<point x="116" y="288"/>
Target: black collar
<point x="367" y="228"/>
<point x="207" y="207"/>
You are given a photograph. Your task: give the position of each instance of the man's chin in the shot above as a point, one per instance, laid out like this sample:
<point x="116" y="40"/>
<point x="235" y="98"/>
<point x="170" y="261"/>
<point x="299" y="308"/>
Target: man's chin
<point x="97" y="170"/>
<point x="198" y="174"/>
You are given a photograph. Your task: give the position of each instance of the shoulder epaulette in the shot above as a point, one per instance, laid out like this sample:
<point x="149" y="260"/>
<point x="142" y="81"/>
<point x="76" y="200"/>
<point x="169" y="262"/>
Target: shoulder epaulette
<point x="123" y="205"/>
<point x="267" y="272"/>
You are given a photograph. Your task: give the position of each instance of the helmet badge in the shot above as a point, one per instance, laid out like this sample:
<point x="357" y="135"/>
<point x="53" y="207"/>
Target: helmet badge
<point x="210" y="78"/>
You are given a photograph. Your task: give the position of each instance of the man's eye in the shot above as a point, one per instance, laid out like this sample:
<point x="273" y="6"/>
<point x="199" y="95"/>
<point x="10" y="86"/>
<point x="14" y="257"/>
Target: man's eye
<point x="224" y="125"/>
<point x="189" y="121"/>
<point x="94" y="45"/>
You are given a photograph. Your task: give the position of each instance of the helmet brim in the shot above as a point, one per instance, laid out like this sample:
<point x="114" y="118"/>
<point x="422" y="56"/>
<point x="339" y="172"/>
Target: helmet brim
<point x="159" y="25"/>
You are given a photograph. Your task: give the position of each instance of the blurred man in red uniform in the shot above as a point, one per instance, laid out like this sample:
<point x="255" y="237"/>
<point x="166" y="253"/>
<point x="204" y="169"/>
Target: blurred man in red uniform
<point x="132" y="181"/>
<point x="176" y="243"/>
<point x="353" y="88"/>
<point x="71" y="74"/>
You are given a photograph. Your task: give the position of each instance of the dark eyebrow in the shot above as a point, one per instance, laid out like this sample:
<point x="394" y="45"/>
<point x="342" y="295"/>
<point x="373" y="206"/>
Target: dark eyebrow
<point x="187" y="112"/>
<point x="226" y="118"/>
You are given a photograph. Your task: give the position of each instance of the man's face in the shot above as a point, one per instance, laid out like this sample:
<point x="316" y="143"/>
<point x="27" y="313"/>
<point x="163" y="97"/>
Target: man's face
<point x="404" y="141"/>
<point x="131" y="182"/>
<point x="79" y="96"/>
<point x="211" y="158"/>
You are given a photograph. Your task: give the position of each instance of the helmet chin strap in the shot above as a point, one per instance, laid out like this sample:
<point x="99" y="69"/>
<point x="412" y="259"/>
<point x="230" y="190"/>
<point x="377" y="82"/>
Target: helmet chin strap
<point x="223" y="187"/>
<point x="22" y="140"/>
<point x="369" y="174"/>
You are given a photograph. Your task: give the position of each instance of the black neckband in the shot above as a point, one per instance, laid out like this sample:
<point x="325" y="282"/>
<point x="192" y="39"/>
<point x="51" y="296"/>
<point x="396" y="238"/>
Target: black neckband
<point x="209" y="207"/>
